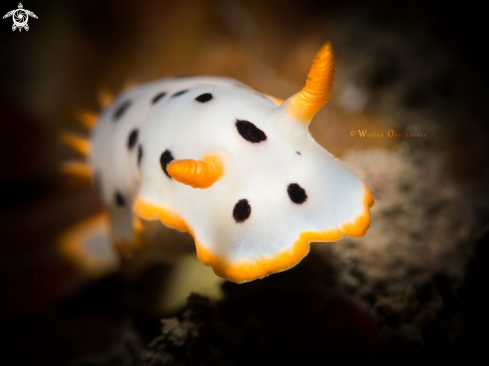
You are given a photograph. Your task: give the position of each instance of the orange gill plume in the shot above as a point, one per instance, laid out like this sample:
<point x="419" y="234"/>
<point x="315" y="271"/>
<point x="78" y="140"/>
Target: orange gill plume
<point x="105" y="97"/>
<point x="129" y="84"/>
<point x="76" y="168"/>
<point x="77" y="142"/>
<point x="86" y="118"/>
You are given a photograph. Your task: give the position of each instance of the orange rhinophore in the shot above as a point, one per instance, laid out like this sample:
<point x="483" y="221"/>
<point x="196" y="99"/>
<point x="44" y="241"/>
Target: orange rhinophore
<point x="197" y="173"/>
<point x="296" y="112"/>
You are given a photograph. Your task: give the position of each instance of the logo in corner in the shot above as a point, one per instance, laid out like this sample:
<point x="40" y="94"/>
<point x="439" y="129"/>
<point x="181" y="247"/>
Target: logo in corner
<point x="20" y="17"/>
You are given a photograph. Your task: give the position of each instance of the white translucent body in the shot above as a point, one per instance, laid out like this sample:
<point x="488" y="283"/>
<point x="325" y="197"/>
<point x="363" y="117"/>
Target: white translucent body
<point x="259" y="172"/>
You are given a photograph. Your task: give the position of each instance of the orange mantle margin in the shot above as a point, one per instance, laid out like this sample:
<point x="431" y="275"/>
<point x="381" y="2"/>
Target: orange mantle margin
<point x="245" y="270"/>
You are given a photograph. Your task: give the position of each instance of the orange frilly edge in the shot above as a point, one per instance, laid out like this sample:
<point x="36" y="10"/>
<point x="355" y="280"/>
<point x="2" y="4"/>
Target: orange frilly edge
<point x="245" y="270"/>
<point x="71" y="245"/>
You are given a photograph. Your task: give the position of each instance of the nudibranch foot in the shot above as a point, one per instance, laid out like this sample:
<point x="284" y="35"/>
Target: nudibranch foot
<point x="88" y="245"/>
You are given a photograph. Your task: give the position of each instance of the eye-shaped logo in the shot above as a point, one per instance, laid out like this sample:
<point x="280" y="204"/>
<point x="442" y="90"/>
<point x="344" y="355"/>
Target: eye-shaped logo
<point x="20" y="17"/>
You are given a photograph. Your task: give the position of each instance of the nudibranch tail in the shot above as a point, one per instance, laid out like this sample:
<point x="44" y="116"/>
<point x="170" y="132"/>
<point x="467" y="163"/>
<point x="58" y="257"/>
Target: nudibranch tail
<point x="296" y="113"/>
<point x="202" y="173"/>
<point x="135" y="244"/>
<point x="87" y="244"/>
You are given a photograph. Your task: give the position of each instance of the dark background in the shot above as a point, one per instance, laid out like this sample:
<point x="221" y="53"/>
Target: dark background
<point x="423" y="63"/>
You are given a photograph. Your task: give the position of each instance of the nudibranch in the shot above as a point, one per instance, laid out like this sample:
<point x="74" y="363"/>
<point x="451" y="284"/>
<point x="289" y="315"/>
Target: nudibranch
<point x="236" y="169"/>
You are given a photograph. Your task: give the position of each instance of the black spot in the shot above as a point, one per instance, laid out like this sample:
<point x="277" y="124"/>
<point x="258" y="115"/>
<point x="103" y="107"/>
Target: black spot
<point x="204" y="97"/>
<point x="119" y="199"/>
<point x="298" y="153"/>
<point x="140" y="154"/>
<point x="296" y="193"/>
<point x="121" y="109"/>
<point x="241" y="211"/>
<point x="165" y="159"/>
<point x="158" y="97"/>
<point x="250" y="132"/>
<point x="133" y="138"/>
<point x="179" y="93"/>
